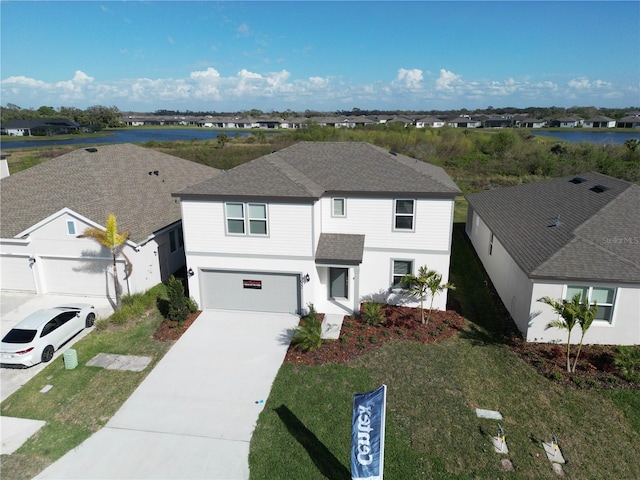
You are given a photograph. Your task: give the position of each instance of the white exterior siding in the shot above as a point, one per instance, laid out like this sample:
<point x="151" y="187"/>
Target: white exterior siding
<point x="69" y="265"/>
<point x="511" y="283"/>
<point x="290" y="230"/>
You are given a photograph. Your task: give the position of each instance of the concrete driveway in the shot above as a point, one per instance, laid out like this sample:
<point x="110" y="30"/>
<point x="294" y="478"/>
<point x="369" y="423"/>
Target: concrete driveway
<point x="194" y="414"/>
<point x="14" y="307"/>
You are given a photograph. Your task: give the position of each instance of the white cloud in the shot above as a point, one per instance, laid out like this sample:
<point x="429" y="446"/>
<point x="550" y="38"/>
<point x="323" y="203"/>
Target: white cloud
<point x="411" y="79"/>
<point x="448" y="81"/>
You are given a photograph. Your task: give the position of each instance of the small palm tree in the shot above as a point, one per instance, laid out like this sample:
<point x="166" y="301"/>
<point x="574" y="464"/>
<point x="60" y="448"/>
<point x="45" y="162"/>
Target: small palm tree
<point x="436" y="286"/>
<point x="110" y="238"/>
<point x="426" y="282"/>
<point x="568" y="312"/>
<point x="587" y="313"/>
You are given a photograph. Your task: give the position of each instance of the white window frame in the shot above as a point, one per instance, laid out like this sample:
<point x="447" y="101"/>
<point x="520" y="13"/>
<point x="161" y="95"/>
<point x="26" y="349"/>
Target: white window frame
<point x="333" y="207"/>
<point x="590" y="297"/>
<point x="396" y="215"/>
<point x="71" y="225"/>
<point x="411" y="263"/>
<point x="247" y="219"/>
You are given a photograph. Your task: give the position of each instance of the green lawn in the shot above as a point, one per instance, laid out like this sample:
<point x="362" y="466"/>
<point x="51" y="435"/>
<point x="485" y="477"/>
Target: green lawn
<point x="433" y="391"/>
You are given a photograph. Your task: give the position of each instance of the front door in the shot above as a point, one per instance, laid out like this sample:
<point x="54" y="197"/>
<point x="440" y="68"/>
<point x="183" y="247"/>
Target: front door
<point x="338" y="282"/>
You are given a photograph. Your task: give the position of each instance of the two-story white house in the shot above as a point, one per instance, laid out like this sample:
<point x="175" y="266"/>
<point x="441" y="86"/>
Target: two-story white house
<point x="332" y="224"/>
<point x="557" y="238"/>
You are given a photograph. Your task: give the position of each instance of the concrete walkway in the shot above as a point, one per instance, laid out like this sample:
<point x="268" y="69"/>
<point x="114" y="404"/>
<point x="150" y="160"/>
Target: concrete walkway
<point x="193" y="416"/>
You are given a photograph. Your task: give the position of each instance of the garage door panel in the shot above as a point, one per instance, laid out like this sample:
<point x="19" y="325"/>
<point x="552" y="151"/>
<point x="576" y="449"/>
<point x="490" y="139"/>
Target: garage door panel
<point x="250" y="291"/>
<point x="77" y="276"/>
<point x="16" y="274"/>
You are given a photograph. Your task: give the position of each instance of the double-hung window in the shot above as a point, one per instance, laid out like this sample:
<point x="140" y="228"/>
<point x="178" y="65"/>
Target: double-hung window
<point x="400" y="269"/>
<point x="404" y="214"/>
<point x="246" y="218"/>
<point x="603" y="296"/>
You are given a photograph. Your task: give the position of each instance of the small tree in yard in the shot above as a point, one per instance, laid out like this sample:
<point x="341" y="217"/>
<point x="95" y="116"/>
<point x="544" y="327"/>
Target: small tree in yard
<point x="178" y="307"/>
<point x="568" y="312"/>
<point x="110" y="238"/>
<point x="586" y="314"/>
<point x="426" y="282"/>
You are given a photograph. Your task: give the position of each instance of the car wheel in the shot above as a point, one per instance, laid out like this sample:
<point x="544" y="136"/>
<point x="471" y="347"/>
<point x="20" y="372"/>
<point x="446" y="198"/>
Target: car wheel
<point x="91" y="319"/>
<point x="47" y="354"/>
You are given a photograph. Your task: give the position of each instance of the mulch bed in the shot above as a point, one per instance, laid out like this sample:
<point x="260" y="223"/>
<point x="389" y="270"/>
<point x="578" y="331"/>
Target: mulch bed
<point x="358" y="338"/>
<point x="170" y="331"/>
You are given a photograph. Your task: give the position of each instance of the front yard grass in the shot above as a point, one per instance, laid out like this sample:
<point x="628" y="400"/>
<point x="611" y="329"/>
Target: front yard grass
<point x="433" y="390"/>
<point x="82" y="400"/>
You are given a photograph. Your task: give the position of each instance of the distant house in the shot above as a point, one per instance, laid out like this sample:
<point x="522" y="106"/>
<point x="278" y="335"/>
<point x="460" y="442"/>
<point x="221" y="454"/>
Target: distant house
<point x="632" y="121"/>
<point x="556" y="238"/>
<point x="567" y="122"/>
<point x="464" y="122"/>
<point x="405" y="121"/>
<point x="431" y="122"/>
<point x="327" y="223"/>
<point x="599" y="122"/>
<point x="40" y="127"/>
<point x="532" y="123"/>
<point x="46" y="207"/>
<point x="497" y="121"/>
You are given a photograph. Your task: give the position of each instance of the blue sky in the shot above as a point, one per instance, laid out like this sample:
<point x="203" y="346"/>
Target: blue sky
<point x="274" y="56"/>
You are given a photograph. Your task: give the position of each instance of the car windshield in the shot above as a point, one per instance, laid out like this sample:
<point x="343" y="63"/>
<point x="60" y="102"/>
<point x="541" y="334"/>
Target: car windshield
<point x="18" y="335"/>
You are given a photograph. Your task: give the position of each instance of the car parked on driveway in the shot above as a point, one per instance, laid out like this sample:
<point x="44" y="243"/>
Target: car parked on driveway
<point x="38" y="336"/>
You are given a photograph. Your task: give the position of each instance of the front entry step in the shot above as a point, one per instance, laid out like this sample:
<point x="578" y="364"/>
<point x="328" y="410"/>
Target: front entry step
<point x="331" y="325"/>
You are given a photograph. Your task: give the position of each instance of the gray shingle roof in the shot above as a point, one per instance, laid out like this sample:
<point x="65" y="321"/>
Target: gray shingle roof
<point x="598" y="236"/>
<point x="113" y="179"/>
<point x="307" y="170"/>
<point x="340" y="249"/>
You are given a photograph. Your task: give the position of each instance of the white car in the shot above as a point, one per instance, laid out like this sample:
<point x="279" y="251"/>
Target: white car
<point x="39" y="335"/>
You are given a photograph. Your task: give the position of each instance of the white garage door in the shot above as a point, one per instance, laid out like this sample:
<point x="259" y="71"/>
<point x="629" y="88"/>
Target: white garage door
<point x="16" y="274"/>
<point x="250" y="291"/>
<point x="78" y="276"/>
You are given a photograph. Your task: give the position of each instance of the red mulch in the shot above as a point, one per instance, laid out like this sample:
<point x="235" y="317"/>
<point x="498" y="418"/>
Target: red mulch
<point x="169" y="331"/>
<point x="358" y="338"/>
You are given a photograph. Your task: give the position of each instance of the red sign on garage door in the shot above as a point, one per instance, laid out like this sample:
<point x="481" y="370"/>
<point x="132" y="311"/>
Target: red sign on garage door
<point x="255" y="284"/>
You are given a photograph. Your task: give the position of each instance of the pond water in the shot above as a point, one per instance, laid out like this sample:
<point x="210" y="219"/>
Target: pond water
<point x="131" y="136"/>
<point x="580" y="136"/>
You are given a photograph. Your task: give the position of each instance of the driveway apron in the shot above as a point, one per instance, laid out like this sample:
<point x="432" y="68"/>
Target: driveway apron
<point x="194" y="414"/>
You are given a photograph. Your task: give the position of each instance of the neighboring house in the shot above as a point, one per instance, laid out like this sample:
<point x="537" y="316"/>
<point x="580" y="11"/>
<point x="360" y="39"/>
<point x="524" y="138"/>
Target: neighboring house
<point x="332" y="224"/>
<point x="39" y="126"/>
<point x="496" y="121"/>
<point x="599" y="122"/>
<point x="432" y="122"/>
<point x="464" y="122"/>
<point x="559" y="237"/>
<point x="532" y="123"/>
<point x="632" y="121"/>
<point x="46" y="207"/>
<point x="567" y="122"/>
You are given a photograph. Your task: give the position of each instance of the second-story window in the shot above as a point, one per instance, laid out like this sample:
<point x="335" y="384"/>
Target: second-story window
<point x="404" y="214"/>
<point x="339" y="208"/>
<point x="246" y="218"/>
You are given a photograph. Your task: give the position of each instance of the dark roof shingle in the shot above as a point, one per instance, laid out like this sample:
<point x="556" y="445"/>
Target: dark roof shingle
<point x="112" y="179"/>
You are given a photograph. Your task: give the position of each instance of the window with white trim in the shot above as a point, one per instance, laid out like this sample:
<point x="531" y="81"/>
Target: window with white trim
<point x="71" y="227"/>
<point x="246" y="218"/>
<point x="403" y="214"/>
<point x="400" y="269"/>
<point x="339" y="207"/>
<point x="603" y="296"/>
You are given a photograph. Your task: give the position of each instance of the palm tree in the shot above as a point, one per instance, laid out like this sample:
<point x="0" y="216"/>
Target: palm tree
<point x="568" y="312"/>
<point x="587" y="313"/>
<point x="427" y="281"/>
<point x="436" y="286"/>
<point x="110" y="238"/>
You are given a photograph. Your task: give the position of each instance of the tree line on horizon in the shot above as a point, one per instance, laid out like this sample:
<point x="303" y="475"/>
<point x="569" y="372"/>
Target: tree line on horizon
<point x="110" y="116"/>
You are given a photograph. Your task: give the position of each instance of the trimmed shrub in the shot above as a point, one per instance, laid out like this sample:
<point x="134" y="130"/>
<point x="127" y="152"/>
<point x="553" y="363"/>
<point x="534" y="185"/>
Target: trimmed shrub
<point x="372" y="313"/>
<point x="178" y="310"/>
<point x="627" y="361"/>
<point x="307" y="336"/>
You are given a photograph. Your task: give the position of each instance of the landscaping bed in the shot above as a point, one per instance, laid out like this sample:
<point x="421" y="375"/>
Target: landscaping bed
<point x="170" y="331"/>
<point x="358" y="337"/>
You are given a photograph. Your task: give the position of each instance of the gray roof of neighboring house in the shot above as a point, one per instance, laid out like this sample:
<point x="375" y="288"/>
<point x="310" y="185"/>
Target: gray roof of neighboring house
<point x="340" y="249"/>
<point x="113" y="179"/>
<point x="597" y="237"/>
<point x="308" y="170"/>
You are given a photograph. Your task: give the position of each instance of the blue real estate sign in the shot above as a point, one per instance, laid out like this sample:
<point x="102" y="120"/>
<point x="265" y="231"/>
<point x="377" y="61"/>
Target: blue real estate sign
<point x="367" y="434"/>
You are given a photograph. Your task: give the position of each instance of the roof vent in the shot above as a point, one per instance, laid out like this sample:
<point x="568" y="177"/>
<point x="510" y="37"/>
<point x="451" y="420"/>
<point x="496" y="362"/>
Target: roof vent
<point x="155" y="172"/>
<point x="577" y="180"/>
<point x="91" y="149"/>
<point x="393" y="153"/>
<point x="599" y="188"/>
